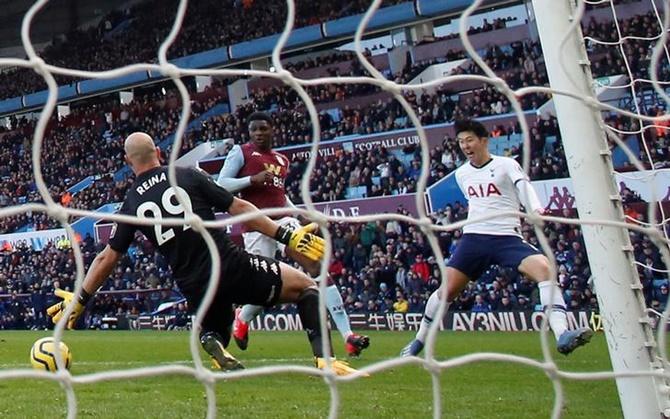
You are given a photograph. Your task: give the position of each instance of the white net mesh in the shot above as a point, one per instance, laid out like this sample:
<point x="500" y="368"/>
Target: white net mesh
<point x="627" y="46"/>
<point x="642" y="116"/>
<point x="641" y="124"/>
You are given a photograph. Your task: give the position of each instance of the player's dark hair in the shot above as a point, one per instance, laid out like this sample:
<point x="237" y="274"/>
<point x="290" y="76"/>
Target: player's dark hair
<point x="471" y="125"/>
<point x="259" y="116"/>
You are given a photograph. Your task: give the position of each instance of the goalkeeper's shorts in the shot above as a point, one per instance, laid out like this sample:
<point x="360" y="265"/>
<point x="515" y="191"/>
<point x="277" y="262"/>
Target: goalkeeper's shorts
<point x="246" y="279"/>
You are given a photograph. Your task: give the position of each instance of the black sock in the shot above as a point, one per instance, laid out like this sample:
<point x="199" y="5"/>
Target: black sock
<point x="308" y="309"/>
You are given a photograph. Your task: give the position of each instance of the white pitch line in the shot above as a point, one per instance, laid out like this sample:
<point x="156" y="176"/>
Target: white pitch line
<point x="298" y="360"/>
<point x="178" y="362"/>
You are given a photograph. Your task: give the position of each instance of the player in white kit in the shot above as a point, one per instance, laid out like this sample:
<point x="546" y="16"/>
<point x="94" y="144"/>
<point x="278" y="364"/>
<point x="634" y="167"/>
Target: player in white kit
<point x="495" y="184"/>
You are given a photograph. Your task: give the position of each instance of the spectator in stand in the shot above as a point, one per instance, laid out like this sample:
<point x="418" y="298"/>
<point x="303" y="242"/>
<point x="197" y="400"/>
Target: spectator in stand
<point x="421" y="269"/>
<point x="480" y="305"/>
<point x="401" y="305"/>
<point x="505" y="304"/>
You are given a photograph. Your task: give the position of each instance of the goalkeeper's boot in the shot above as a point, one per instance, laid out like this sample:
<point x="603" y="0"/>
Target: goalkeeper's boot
<point x="221" y="358"/>
<point x="355" y="344"/>
<point x="573" y="339"/>
<point x="339" y="367"/>
<point x="240" y="330"/>
<point x="413" y="348"/>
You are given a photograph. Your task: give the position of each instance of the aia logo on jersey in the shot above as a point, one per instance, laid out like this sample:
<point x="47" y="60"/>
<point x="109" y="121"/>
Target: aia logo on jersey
<point x="483" y="191"/>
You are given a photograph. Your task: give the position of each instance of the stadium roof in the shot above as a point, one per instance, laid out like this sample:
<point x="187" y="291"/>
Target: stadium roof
<point x="57" y="17"/>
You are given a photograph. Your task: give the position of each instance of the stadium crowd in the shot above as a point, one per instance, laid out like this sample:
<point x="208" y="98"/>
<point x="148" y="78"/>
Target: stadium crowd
<point x="102" y="124"/>
<point x="87" y="142"/>
<point x="641" y="32"/>
<point x="108" y="118"/>
<point x="380" y="267"/>
<point x="384" y="173"/>
<point x="380" y="172"/>
<point x="520" y="63"/>
<point x="134" y="35"/>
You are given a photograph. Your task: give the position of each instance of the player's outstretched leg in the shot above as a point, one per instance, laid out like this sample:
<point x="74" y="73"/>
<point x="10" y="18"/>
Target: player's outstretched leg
<point x="415" y="347"/>
<point x="551" y="297"/>
<point x="573" y="339"/>
<point x="353" y="342"/>
<point x="298" y="288"/>
<point x="455" y="283"/>
<point x="212" y="343"/>
<point x="308" y="309"/>
<point x="356" y="343"/>
<point x="243" y="316"/>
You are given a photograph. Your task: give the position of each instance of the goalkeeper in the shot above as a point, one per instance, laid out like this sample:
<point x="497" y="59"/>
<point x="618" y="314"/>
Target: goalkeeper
<point x="244" y="278"/>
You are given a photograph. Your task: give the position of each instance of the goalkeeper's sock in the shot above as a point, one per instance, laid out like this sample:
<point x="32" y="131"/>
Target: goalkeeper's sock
<point x="249" y="312"/>
<point x="551" y="296"/>
<point x="335" y="306"/>
<point x="308" y="309"/>
<point x="429" y="313"/>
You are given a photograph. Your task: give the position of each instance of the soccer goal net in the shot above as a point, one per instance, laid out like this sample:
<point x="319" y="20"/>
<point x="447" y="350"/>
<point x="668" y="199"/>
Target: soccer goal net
<point x="608" y="83"/>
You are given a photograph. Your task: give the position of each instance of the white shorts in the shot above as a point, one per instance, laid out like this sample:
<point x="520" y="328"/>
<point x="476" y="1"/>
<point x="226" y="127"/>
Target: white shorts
<point x="259" y="244"/>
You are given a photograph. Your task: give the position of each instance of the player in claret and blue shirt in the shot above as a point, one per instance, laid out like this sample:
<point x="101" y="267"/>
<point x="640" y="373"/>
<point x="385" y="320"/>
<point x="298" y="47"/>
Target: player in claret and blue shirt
<point x="493" y="185"/>
<point x="258" y="173"/>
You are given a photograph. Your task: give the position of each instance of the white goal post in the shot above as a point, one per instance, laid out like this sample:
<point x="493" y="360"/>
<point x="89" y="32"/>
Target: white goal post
<point x="630" y="339"/>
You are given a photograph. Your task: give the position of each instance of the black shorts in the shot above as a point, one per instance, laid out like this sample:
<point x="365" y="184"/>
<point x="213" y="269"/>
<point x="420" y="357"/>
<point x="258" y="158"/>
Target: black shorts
<point x="245" y="279"/>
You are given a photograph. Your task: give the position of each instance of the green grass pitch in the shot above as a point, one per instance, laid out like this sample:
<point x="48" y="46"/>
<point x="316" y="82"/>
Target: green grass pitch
<point x="485" y="389"/>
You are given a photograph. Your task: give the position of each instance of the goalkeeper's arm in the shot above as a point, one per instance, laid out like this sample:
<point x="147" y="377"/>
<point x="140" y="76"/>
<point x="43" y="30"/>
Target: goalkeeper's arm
<point x="100" y="269"/>
<point x="301" y="240"/>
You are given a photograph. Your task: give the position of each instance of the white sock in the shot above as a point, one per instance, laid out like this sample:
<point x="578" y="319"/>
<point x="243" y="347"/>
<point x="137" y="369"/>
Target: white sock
<point x="428" y="315"/>
<point x="249" y="312"/>
<point x="551" y="296"/>
<point x="335" y="306"/>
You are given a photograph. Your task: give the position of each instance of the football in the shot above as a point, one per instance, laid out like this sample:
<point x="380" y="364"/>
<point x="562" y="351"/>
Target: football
<point x="43" y="354"/>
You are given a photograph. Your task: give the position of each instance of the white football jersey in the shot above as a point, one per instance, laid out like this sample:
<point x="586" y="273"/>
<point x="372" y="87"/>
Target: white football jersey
<point x="491" y="189"/>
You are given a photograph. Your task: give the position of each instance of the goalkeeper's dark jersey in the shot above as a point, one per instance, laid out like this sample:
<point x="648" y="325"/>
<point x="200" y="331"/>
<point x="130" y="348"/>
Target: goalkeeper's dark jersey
<point x="151" y="196"/>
